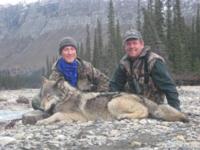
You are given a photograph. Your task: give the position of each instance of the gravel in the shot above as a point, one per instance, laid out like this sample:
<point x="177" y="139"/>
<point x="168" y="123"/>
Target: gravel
<point x="141" y="134"/>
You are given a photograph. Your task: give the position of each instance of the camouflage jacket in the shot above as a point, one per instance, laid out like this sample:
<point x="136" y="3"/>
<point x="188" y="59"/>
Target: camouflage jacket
<point x="132" y="72"/>
<point x="89" y="78"/>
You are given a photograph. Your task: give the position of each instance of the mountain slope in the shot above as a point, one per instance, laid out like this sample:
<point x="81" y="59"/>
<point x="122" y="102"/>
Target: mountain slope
<point x="29" y="33"/>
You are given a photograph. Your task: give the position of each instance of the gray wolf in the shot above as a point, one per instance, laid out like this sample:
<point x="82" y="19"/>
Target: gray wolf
<point x="85" y="106"/>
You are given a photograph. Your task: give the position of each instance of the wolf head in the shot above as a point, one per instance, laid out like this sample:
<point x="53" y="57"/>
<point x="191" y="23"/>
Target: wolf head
<point x="49" y="94"/>
<point x="52" y="92"/>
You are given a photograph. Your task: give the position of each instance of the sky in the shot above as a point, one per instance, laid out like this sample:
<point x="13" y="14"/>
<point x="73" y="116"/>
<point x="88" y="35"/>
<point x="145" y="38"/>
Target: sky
<point x="4" y="2"/>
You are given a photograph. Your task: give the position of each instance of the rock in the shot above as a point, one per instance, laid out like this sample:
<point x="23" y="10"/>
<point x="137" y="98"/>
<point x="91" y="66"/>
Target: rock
<point x="33" y="116"/>
<point x="7" y="140"/>
<point x="195" y="144"/>
<point x="20" y="136"/>
<point x="180" y="138"/>
<point x="114" y="133"/>
<point x="22" y="100"/>
<point x="145" y="134"/>
<point x="3" y="100"/>
<point x="143" y="121"/>
<point x="60" y="138"/>
<point x="135" y="144"/>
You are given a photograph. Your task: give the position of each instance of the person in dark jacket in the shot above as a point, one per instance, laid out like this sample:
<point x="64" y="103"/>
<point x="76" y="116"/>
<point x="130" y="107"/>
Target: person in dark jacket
<point x="144" y="71"/>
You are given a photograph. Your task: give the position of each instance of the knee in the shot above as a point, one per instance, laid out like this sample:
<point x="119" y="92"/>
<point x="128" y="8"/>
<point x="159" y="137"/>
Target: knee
<point x="144" y="113"/>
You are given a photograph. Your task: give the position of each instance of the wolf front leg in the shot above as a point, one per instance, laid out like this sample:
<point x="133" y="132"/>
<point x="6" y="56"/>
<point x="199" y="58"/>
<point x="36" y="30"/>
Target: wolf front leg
<point x="65" y="117"/>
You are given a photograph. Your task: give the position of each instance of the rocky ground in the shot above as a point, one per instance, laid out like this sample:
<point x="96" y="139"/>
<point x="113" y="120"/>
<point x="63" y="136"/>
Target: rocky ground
<point x="142" y="134"/>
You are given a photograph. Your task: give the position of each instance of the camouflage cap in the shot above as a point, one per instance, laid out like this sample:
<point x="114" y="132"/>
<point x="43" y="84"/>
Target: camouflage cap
<point x="132" y="34"/>
<point x="67" y="41"/>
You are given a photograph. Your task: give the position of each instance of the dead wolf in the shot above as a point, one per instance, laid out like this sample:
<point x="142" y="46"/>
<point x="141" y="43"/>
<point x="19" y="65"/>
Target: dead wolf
<point x="85" y="106"/>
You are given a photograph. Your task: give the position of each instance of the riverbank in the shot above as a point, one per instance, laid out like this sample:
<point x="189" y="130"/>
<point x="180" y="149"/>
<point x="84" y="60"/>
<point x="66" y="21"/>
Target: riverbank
<point x="142" y="134"/>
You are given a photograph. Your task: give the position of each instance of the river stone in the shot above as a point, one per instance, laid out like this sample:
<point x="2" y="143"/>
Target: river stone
<point x="3" y="100"/>
<point x="7" y="140"/>
<point x="33" y="116"/>
<point x="22" y="100"/>
<point x="144" y="134"/>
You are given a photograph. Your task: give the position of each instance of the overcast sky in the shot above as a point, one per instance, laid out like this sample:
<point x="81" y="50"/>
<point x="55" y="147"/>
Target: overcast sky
<point x="2" y="2"/>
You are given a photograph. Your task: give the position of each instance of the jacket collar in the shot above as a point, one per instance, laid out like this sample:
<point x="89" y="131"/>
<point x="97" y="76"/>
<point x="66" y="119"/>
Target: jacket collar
<point x="79" y="60"/>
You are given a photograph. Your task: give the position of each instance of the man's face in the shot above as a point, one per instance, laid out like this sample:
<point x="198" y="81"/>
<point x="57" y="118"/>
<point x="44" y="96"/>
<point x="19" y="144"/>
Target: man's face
<point x="133" y="47"/>
<point x="69" y="53"/>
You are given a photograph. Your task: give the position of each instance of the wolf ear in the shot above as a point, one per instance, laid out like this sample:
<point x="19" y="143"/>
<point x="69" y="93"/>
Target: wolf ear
<point x="44" y="80"/>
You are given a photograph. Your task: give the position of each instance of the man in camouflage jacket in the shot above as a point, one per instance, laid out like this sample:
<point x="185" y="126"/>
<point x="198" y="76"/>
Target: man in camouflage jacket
<point x="144" y="72"/>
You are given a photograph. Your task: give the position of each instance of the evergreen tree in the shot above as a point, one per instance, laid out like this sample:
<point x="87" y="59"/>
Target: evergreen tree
<point x="99" y="35"/>
<point x="195" y="42"/>
<point x="139" y="28"/>
<point x="150" y="35"/>
<point x="179" y="38"/>
<point x="81" y="50"/>
<point x="147" y="32"/>
<point x="150" y="7"/>
<point x="118" y="41"/>
<point x="169" y="31"/>
<point x="48" y="66"/>
<point x="198" y="32"/>
<point x="111" y="24"/>
<point x="98" y="46"/>
<point x="88" y="44"/>
<point x="111" y="53"/>
<point x="159" y="19"/>
<point x="169" y="21"/>
<point x="193" y="38"/>
<point x="95" y="50"/>
<point x="176" y="38"/>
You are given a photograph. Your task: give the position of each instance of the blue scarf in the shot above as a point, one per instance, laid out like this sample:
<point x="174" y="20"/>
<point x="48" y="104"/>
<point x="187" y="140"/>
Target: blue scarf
<point x="69" y="71"/>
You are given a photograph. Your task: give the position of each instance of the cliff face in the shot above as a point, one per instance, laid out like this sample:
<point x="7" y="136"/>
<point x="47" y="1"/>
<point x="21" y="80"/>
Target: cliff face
<point x="28" y="33"/>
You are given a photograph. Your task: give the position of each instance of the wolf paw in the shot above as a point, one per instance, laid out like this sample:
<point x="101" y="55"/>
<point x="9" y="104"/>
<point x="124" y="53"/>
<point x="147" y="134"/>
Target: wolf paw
<point x="122" y="117"/>
<point x="42" y="122"/>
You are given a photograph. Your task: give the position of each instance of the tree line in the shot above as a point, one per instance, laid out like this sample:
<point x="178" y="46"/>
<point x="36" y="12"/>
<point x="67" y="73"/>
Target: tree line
<point x="163" y="27"/>
<point x="26" y="80"/>
<point x="9" y="81"/>
<point x="167" y="30"/>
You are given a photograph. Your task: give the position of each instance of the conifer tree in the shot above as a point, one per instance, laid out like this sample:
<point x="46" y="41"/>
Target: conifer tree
<point x="48" y="66"/>
<point x="99" y="35"/>
<point x="88" y="44"/>
<point x="198" y="32"/>
<point x="118" y="41"/>
<point x="139" y="28"/>
<point x="111" y="51"/>
<point x="95" y="50"/>
<point x="159" y="18"/>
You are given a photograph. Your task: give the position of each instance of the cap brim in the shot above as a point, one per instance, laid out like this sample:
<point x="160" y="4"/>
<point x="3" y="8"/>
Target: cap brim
<point x="132" y="37"/>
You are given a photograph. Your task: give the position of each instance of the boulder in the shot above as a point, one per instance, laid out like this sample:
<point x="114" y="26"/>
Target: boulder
<point x="33" y="116"/>
<point x="23" y="100"/>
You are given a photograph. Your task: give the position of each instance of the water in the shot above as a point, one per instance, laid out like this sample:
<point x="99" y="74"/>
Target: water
<point x="7" y="115"/>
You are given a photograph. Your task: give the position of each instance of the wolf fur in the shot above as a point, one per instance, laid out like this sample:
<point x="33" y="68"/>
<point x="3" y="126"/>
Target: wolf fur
<point x="85" y="106"/>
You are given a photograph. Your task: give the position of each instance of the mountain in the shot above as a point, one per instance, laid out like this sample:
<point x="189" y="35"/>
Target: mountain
<point x="31" y="32"/>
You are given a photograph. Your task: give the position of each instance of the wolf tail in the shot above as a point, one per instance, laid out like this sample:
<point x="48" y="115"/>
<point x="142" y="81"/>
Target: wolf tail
<point x="164" y="111"/>
<point x="168" y="113"/>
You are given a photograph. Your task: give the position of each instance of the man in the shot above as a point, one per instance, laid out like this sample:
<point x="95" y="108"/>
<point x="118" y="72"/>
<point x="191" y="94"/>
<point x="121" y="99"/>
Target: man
<point x="144" y="71"/>
<point x="77" y="72"/>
